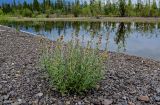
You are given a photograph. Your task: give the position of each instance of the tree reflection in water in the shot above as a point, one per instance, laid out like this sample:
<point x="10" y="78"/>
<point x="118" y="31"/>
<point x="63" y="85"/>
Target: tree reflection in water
<point x="120" y="30"/>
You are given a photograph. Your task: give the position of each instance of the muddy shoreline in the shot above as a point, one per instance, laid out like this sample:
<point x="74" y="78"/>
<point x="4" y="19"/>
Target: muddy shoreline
<point x="23" y="82"/>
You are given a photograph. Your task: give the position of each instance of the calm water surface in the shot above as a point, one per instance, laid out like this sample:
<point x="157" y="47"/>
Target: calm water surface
<point x="140" y="39"/>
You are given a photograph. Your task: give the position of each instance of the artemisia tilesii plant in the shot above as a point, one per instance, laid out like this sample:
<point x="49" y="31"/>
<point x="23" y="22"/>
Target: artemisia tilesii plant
<point x="73" y="68"/>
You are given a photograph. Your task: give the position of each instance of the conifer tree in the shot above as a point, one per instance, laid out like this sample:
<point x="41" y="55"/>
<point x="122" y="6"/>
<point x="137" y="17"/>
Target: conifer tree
<point x="122" y="8"/>
<point x="36" y="6"/>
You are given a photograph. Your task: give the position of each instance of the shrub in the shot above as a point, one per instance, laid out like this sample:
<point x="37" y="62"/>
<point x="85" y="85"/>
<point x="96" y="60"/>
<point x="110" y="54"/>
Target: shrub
<point x="73" y="68"/>
<point x="86" y="11"/>
<point x="27" y="12"/>
<point x="1" y="12"/>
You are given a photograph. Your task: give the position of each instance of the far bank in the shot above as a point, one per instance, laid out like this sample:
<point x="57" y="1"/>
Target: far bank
<point x="90" y="19"/>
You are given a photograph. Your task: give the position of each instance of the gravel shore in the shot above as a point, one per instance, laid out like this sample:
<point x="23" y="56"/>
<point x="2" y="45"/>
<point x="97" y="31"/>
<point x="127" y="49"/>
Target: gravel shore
<point x="129" y="80"/>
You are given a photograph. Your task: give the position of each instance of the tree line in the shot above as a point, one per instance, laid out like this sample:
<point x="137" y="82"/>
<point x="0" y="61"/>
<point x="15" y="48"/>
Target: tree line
<point x="120" y="8"/>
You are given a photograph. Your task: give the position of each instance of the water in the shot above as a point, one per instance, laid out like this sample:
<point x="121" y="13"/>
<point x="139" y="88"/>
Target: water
<point x="139" y="39"/>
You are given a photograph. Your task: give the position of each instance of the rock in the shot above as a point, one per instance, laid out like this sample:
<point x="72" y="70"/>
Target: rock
<point x="20" y="100"/>
<point x="133" y="92"/>
<point x="95" y="102"/>
<point x="158" y="103"/>
<point x="7" y="102"/>
<point x="80" y="103"/>
<point x="28" y="80"/>
<point x="157" y="98"/>
<point x="4" y="81"/>
<point x="107" y="102"/>
<point x="86" y="101"/>
<point x="158" y="90"/>
<point x="68" y="102"/>
<point x="131" y="103"/>
<point x="144" y="98"/>
<point x="60" y="103"/>
<point x="122" y="103"/>
<point x="6" y="97"/>
<point x="35" y="102"/>
<point x="39" y="94"/>
<point x="1" y="99"/>
<point x="0" y="86"/>
<point x="125" y="98"/>
<point x="97" y="87"/>
<point x="15" y="103"/>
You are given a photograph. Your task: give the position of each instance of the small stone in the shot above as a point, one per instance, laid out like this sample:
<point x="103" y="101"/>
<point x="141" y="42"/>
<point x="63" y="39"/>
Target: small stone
<point x="86" y="101"/>
<point x="158" y="90"/>
<point x="133" y="92"/>
<point x="28" y="80"/>
<point x="157" y="98"/>
<point x="68" y="102"/>
<point x="97" y="87"/>
<point x="4" y="81"/>
<point x="6" y="97"/>
<point x="131" y="103"/>
<point x="15" y="103"/>
<point x="79" y="103"/>
<point x="39" y="94"/>
<point x="34" y="102"/>
<point x="17" y="75"/>
<point x="107" y="102"/>
<point x="125" y="98"/>
<point x="144" y="98"/>
<point x="19" y="100"/>
<point x="7" y="102"/>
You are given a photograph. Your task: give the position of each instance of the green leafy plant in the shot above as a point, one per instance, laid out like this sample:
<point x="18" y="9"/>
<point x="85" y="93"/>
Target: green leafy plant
<point x="27" y="12"/>
<point x="1" y="12"/>
<point x="73" y="68"/>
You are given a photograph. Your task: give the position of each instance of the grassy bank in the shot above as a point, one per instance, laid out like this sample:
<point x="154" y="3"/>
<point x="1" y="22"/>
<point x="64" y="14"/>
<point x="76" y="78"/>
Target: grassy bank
<point x="101" y="19"/>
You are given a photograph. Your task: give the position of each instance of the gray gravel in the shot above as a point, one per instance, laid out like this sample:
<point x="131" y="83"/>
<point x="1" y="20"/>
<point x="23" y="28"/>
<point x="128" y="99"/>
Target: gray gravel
<point x="22" y="82"/>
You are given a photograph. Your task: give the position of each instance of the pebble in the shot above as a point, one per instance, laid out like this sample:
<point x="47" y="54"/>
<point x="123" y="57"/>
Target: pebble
<point x="107" y="102"/>
<point x="157" y="98"/>
<point x="158" y="103"/>
<point x="144" y="98"/>
<point x="15" y="103"/>
<point x="4" y="81"/>
<point x="0" y="86"/>
<point x="68" y="102"/>
<point x="133" y="92"/>
<point x="28" y="80"/>
<point x="131" y="103"/>
<point x="158" y="90"/>
<point x="7" y="102"/>
<point x="39" y="94"/>
<point x="80" y="103"/>
<point x="19" y="100"/>
<point x="97" y="87"/>
<point x="35" y="102"/>
<point x="125" y="98"/>
<point x="6" y="97"/>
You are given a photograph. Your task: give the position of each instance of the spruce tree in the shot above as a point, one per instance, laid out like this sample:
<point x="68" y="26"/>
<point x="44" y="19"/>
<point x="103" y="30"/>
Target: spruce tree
<point x="122" y="8"/>
<point x="36" y="6"/>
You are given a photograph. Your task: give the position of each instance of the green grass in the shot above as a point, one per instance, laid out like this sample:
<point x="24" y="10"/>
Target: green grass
<point x="73" y="68"/>
<point x="91" y="19"/>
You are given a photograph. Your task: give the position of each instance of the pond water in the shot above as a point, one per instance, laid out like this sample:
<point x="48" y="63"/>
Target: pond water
<point x="139" y="39"/>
